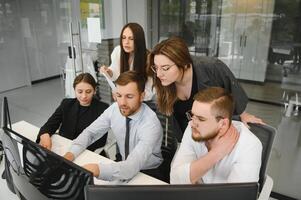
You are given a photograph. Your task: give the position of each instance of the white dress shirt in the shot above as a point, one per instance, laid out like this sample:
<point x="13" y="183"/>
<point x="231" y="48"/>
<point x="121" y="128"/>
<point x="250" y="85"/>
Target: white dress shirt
<point x="144" y="142"/>
<point x="115" y="67"/>
<point x="242" y="164"/>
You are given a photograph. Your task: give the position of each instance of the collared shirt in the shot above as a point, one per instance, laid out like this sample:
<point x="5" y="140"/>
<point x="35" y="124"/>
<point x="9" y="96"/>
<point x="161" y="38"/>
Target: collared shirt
<point x="144" y="144"/>
<point x="242" y="164"/>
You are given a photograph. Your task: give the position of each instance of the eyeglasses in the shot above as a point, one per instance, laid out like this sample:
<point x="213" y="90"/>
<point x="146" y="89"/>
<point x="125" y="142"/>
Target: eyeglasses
<point x="190" y="116"/>
<point x="164" y="68"/>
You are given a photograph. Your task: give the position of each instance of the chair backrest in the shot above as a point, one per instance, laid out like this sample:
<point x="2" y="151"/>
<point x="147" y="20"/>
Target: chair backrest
<point x="169" y="142"/>
<point x="168" y="146"/>
<point x="266" y="135"/>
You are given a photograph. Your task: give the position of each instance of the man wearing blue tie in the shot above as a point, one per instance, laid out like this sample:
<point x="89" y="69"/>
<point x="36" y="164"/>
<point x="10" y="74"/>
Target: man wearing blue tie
<point x="137" y="130"/>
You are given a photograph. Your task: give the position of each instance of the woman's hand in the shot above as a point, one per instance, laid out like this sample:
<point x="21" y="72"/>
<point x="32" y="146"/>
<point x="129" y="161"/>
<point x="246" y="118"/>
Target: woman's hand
<point x="45" y="141"/>
<point x="248" y="118"/>
<point x="106" y="70"/>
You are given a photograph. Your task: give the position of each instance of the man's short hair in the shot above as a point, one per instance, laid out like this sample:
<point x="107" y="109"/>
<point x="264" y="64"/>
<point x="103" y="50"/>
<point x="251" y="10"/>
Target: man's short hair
<point x="131" y="76"/>
<point x="222" y="103"/>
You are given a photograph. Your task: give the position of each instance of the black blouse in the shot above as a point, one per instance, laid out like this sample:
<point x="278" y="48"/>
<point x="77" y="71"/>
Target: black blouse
<point x="182" y="106"/>
<point x="209" y="72"/>
<point x="71" y="119"/>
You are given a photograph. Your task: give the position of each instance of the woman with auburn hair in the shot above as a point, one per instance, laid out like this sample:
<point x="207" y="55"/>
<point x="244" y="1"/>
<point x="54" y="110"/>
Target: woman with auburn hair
<point x="75" y="114"/>
<point x="131" y="54"/>
<point x="177" y="78"/>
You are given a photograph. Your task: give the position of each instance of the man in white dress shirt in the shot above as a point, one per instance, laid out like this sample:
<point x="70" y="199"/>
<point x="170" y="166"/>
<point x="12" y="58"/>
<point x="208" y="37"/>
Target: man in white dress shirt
<point x="214" y="148"/>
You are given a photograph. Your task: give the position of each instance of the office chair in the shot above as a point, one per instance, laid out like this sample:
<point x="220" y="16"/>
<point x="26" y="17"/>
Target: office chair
<point x="168" y="147"/>
<point x="1" y="151"/>
<point x="266" y="135"/>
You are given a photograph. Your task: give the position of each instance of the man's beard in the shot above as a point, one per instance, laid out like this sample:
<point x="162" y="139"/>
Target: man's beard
<point x="199" y="138"/>
<point x="127" y="112"/>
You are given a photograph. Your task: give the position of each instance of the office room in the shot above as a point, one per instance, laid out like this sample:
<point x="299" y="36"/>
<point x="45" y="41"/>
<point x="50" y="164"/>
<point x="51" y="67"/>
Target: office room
<point x="45" y="45"/>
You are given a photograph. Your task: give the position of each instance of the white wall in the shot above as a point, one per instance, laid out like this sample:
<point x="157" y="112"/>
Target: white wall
<point x="14" y="71"/>
<point x="114" y="12"/>
<point x="137" y="12"/>
<point x="119" y="12"/>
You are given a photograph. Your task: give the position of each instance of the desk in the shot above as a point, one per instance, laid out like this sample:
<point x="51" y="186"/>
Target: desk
<point x="60" y="145"/>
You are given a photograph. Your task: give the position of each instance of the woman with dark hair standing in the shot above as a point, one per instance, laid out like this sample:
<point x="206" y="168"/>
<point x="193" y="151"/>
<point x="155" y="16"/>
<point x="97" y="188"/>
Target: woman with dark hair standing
<point x="178" y="77"/>
<point x="75" y="114"/>
<point x="131" y="54"/>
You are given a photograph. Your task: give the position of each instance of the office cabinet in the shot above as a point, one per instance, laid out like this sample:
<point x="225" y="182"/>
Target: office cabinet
<point x="245" y="37"/>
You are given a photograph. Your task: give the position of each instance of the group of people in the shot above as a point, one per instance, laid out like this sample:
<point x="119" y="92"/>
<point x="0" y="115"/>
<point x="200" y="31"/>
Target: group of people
<point x="201" y="94"/>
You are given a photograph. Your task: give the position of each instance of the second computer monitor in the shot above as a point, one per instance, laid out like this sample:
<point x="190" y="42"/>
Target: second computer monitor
<point x="237" y="191"/>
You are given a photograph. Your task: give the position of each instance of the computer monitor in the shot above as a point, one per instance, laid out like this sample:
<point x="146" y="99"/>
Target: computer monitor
<point x="237" y="191"/>
<point x="5" y="117"/>
<point x="39" y="174"/>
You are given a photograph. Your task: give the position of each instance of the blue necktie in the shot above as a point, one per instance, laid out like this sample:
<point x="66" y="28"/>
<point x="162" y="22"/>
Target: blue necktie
<point x="127" y="137"/>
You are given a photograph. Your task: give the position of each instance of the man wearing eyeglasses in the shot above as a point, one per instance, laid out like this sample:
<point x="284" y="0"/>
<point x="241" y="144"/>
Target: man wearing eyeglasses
<point x="214" y="148"/>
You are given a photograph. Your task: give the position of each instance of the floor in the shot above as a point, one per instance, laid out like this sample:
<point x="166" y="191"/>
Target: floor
<point x="36" y="103"/>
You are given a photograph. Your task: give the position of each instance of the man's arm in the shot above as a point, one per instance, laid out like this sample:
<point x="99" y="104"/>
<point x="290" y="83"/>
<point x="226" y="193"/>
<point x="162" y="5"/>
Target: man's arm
<point x="150" y="135"/>
<point x="201" y="166"/>
<point x="219" y="147"/>
<point x="92" y="133"/>
<point x="247" y="166"/>
<point x="185" y="169"/>
<point x="69" y="156"/>
<point x="180" y="166"/>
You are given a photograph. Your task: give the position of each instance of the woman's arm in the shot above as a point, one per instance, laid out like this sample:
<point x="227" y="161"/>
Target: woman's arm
<point x="53" y="123"/>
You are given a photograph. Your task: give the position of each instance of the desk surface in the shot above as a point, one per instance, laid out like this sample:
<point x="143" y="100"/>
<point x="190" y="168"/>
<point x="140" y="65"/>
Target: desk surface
<point x="60" y="145"/>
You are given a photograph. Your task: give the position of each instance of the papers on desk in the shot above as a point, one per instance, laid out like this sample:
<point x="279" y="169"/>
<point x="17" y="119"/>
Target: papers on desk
<point x="61" y="145"/>
<point x="110" y="82"/>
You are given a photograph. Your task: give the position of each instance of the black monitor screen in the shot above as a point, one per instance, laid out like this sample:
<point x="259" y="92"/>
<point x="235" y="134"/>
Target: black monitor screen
<point x="39" y="174"/>
<point x="237" y="191"/>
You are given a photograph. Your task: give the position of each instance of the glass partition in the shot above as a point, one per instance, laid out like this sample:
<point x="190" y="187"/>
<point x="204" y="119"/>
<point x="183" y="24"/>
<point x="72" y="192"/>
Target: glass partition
<point x="259" y="40"/>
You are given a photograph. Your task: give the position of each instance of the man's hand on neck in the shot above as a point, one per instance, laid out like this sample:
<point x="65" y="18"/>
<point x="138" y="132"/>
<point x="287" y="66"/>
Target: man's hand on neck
<point x="219" y="147"/>
<point x="223" y="143"/>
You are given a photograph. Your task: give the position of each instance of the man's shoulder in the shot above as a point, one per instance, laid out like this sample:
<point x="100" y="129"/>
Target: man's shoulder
<point x="149" y="110"/>
<point x="113" y="107"/>
<point x="149" y="114"/>
<point x="248" y="139"/>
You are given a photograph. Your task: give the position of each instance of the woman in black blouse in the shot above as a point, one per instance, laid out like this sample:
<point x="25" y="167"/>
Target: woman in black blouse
<point x="178" y="77"/>
<point x="75" y="114"/>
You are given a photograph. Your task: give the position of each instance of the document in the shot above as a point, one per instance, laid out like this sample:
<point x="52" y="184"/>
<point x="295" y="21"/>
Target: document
<point x="110" y="82"/>
<point x="94" y="32"/>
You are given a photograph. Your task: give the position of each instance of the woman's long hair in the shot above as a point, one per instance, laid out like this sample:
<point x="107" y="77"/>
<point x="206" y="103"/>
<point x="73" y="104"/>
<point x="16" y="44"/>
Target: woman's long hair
<point x="140" y="51"/>
<point x="176" y="50"/>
